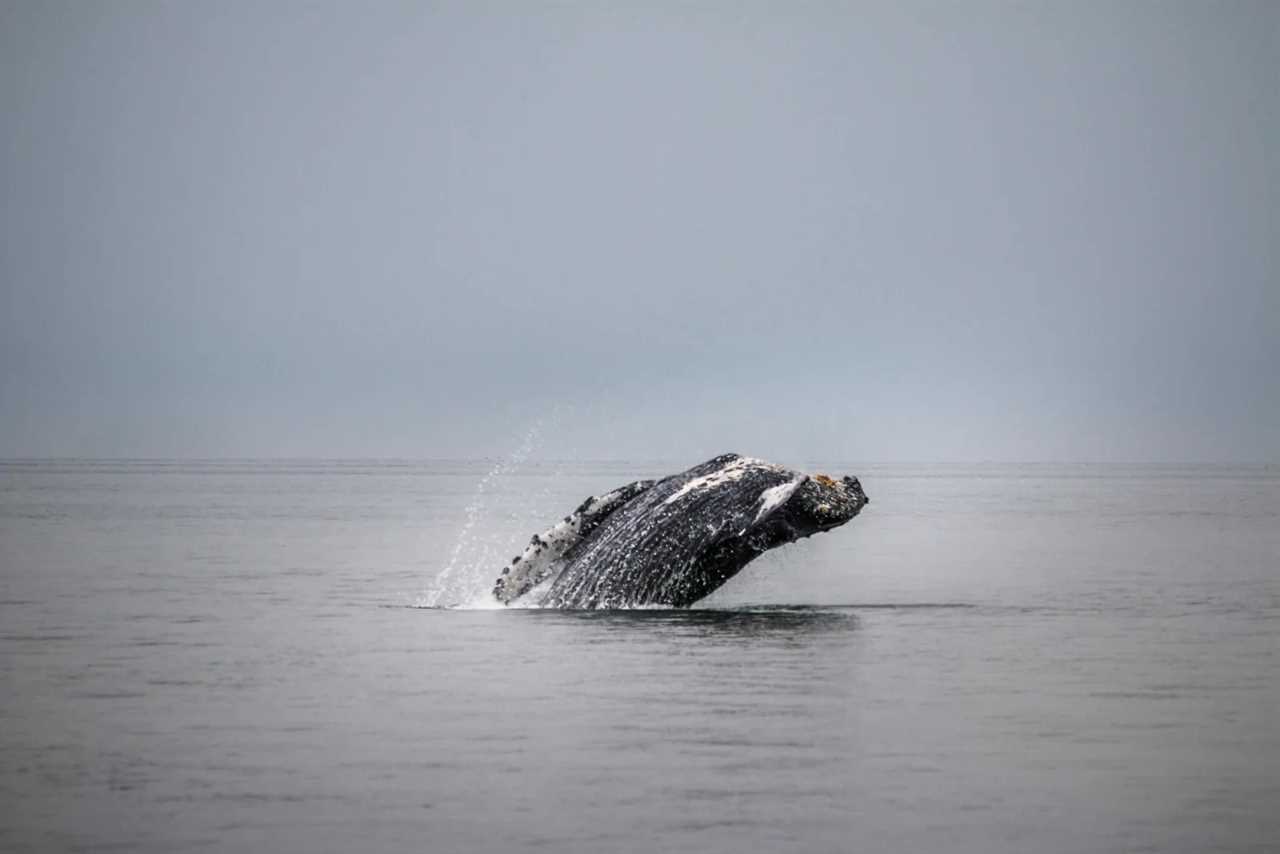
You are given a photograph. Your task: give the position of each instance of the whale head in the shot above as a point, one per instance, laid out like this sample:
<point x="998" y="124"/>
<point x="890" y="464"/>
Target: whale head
<point x="818" y="503"/>
<point x="821" y="503"/>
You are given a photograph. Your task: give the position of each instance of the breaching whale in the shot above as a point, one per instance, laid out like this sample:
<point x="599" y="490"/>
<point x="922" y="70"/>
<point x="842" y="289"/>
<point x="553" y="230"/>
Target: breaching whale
<point x="673" y="541"/>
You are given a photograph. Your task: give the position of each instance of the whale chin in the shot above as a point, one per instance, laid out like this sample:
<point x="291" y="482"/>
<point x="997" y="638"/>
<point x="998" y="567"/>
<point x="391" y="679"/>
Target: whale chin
<point x="671" y="542"/>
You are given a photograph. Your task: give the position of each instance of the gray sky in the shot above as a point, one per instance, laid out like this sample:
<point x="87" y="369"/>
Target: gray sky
<point x="869" y="231"/>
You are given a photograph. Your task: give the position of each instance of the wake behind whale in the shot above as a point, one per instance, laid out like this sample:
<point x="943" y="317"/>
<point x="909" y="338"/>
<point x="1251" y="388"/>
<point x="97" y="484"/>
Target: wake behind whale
<point x="673" y="541"/>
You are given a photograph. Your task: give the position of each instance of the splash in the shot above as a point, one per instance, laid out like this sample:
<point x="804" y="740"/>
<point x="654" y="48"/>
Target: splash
<point x="466" y="579"/>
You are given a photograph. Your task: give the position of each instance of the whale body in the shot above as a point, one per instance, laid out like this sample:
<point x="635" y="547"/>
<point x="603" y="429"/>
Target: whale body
<point x="671" y="542"/>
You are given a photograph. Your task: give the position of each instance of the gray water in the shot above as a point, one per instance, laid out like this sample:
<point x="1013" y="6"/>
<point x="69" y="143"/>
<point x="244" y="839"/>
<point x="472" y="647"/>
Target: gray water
<point x="225" y="656"/>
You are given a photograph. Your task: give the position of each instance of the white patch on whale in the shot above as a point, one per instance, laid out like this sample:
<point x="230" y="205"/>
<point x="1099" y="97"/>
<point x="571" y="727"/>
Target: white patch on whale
<point x="733" y="470"/>
<point x="776" y="495"/>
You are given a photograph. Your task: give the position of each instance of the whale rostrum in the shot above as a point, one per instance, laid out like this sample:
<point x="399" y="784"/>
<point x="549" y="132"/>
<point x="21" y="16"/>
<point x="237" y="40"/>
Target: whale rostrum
<point x="671" y="542"/>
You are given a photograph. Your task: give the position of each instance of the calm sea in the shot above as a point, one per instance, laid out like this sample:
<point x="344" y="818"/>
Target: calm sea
<point x="233" y="656"/>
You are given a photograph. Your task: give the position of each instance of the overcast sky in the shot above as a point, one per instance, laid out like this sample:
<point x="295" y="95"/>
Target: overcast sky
<point x="952" y="231"/>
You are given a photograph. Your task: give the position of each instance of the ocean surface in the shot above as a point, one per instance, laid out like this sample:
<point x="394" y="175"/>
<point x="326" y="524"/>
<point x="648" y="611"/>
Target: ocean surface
<point x="236" y="656"/>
